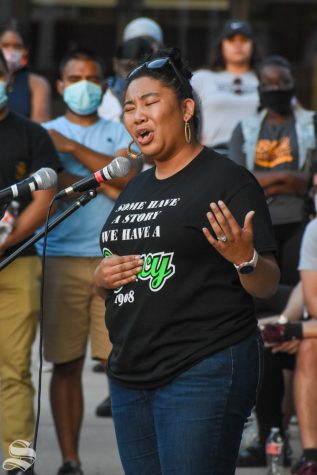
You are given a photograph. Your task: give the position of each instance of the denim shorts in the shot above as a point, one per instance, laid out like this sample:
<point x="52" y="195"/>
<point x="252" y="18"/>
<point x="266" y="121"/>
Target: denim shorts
<point x="193" y="425"/>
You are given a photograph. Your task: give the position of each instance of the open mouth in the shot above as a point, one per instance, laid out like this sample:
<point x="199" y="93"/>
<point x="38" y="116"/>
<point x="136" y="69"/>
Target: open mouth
<point x="144" y="136"/>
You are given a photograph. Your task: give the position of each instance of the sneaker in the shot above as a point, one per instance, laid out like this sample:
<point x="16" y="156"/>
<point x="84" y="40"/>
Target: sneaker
<point x="104" y="408"/>
<point x="252" y="456"/>
<point x="304" y="467"/>
<point x="70" y="467"/>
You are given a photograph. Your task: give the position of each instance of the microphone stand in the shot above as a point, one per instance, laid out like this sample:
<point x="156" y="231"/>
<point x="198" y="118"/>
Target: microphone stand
<point x="81" y="201"/>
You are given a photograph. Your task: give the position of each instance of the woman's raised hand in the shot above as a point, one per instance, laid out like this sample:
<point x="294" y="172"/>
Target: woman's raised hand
<point x="233" y="242"/>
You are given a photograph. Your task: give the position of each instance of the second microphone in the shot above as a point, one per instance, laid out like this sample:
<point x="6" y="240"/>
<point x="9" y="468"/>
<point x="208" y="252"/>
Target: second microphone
<point x="118" y="168"/>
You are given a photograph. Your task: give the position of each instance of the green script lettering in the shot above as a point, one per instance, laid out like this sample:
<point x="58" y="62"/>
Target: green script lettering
<point x="157" y="268"/>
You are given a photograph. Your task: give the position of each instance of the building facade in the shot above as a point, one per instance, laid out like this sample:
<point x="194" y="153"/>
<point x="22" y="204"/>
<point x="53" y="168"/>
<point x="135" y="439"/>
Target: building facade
<point x="286" y="27"/>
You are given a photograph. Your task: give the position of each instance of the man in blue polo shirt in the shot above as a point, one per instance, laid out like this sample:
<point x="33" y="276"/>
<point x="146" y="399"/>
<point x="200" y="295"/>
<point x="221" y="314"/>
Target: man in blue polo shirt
<point x="73" y="311"/>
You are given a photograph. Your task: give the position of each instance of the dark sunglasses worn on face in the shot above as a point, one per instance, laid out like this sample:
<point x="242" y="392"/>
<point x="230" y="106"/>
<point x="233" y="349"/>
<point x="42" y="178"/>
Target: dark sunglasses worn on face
<point x="159" y="64"/>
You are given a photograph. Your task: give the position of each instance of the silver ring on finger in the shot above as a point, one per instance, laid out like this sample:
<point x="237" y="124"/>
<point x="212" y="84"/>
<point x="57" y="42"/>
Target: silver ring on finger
<point x="222" y="238"/>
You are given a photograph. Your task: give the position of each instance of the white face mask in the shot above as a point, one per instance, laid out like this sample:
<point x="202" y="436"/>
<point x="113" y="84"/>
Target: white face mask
<point x="13" y="58"/>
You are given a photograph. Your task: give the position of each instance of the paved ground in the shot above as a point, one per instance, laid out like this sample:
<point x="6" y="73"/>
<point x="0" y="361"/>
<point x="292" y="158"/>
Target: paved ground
<point x="98" y="447"/>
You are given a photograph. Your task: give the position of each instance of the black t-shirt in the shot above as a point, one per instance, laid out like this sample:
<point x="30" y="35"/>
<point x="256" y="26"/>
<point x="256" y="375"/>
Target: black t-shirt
<point x="25" y="148"/>
<point x="188" y="301"/>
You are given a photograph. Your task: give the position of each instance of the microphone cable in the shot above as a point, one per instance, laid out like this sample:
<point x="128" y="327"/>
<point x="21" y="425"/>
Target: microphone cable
<point x="41" y="326"/>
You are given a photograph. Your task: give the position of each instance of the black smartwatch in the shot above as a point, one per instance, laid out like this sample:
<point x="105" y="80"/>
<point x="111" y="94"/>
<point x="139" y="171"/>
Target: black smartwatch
<point x="248" y="267"/>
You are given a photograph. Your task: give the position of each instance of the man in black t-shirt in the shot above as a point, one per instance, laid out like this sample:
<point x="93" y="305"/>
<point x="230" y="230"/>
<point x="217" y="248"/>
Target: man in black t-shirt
<point x="25" y="147"/>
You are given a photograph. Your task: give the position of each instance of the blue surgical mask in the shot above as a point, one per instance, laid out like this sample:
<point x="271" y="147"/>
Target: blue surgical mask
<point x="3" y="94"/>
<point x="83" y="97"/>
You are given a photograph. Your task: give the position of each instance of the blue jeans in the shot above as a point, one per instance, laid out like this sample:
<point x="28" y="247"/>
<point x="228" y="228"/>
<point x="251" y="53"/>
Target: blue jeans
<point x="193" y="425"/>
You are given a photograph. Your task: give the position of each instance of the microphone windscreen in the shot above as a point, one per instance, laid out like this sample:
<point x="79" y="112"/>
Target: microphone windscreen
<point x="119" y="167"/>
<point x="45" y="178"/>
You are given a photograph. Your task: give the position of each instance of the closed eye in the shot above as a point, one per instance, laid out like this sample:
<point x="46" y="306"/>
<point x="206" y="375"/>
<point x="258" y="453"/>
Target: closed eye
<point x="128" y="109"/>
<point x="151" y="103"/>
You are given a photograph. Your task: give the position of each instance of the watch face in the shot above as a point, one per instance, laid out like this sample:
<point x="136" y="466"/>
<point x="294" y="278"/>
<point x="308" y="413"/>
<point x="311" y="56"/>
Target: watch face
<point x="246" y="269"/>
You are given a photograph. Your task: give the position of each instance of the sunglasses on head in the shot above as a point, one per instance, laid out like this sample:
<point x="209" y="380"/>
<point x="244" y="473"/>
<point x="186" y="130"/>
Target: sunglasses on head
<point x="159" y="64"/>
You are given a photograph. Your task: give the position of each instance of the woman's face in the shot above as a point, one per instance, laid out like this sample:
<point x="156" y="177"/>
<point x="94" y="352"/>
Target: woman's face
<point x="237" y="49"/>
<point x="275" y="78"/>
<point x="276" y="89"/>
<point x="11" y="40"/>
<point x="155" y="118"/>
<point x="15" y="53"/>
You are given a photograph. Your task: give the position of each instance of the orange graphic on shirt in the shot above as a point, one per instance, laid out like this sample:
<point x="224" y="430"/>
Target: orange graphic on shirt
<point x="270" y="153"/>
<point x="20" y="171"/>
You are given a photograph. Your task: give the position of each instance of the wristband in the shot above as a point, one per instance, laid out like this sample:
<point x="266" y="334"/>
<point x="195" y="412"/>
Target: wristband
<point x="293" y="331"/>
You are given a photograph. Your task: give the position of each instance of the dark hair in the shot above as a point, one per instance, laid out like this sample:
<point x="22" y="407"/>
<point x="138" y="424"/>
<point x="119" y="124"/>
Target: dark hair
<point x="166" y="74"/>
<point x="274" y="60"/>
<point x="134" y="49"/>
<point x="217" y="61"/>
<point x="81" y="54"/>
<point x="3" y="61"/>
<point x="19" y="30"/>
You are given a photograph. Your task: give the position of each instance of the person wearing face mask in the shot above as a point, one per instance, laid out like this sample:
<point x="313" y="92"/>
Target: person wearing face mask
<point x="227" y="88"/>
<point x="30" y="94"/>
<point x="278" y="145"/>
<point x="73" y="311"/>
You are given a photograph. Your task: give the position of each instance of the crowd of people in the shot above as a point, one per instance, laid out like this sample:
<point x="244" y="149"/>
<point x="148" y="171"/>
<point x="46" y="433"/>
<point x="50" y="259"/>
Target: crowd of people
<point x="211" y="231"/>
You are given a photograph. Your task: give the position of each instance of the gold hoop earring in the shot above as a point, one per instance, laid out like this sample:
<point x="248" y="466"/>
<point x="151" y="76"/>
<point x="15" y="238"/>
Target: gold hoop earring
<point x="134" y="155"/>
<point x="188" y="132"/>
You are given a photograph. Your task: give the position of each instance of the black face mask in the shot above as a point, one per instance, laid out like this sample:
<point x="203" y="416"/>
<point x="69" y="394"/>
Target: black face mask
<point x="277" y="101"/>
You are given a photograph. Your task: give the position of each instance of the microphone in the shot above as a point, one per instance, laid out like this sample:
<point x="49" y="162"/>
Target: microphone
<point x="118" y="168"/>
<point x="43" y="179"/>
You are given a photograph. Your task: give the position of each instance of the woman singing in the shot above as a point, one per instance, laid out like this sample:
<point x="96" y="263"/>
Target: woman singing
<point x="187" y="246"/>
